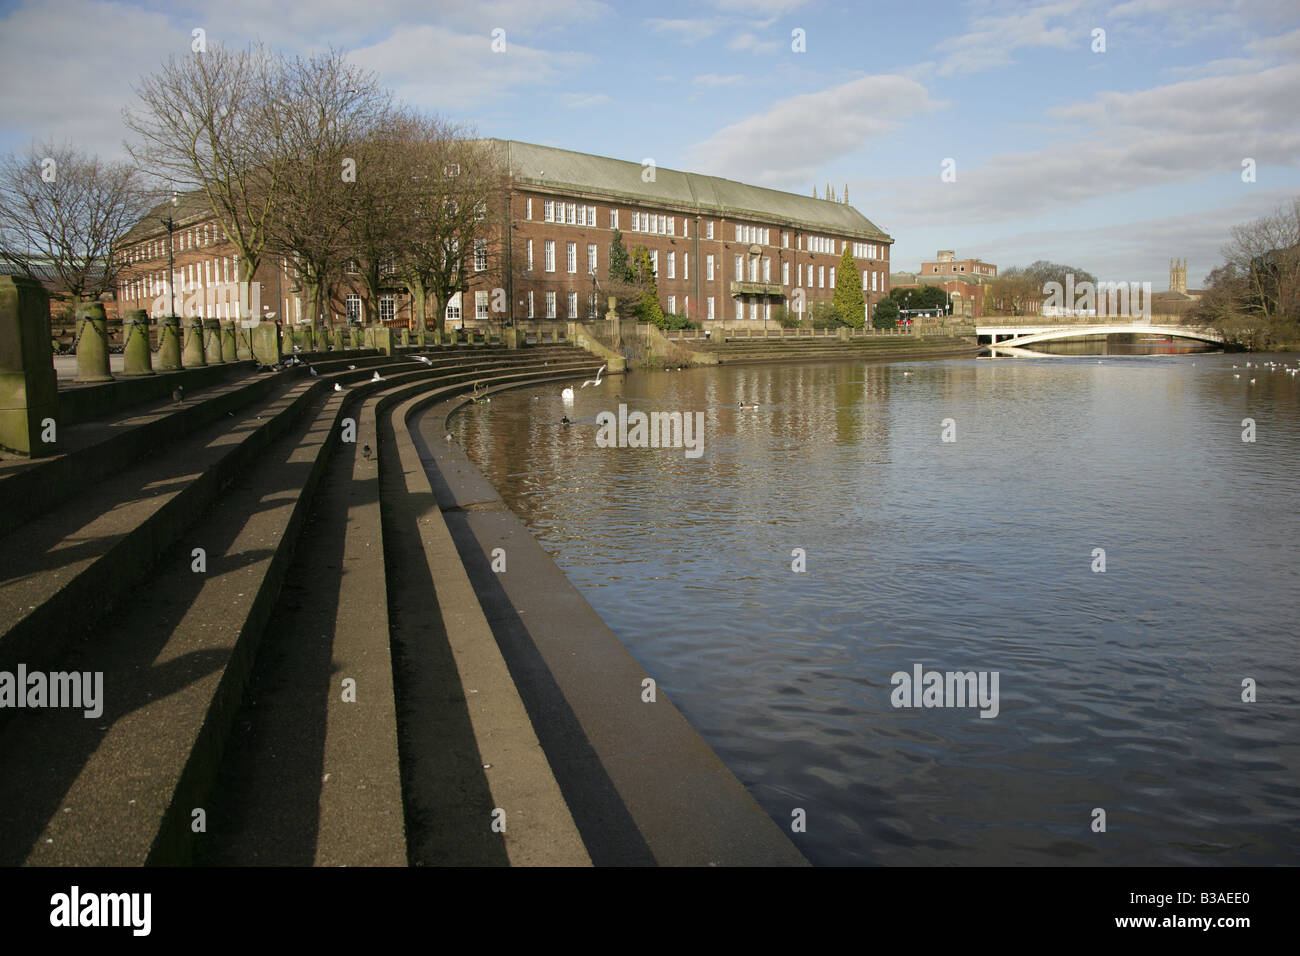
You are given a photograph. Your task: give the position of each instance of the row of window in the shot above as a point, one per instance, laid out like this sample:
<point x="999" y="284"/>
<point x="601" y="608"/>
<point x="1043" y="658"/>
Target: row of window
<point x="183" y="240"/>
<point x="866" y="250"/>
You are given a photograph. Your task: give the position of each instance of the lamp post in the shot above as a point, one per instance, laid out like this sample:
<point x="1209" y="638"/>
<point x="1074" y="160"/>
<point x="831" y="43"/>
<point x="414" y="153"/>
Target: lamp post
<point x="170" y="223"/>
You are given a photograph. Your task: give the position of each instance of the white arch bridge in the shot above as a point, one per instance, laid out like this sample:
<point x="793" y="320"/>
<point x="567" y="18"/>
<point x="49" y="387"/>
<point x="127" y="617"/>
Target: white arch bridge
<point x="1020" y="335"/>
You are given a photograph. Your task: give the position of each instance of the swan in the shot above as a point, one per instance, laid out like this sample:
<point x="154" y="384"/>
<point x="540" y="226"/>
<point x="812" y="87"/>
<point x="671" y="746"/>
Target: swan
<point x="567" y="393"/>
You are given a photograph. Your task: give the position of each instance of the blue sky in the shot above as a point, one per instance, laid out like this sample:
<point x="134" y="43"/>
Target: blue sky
<point x="1111" y="161"/>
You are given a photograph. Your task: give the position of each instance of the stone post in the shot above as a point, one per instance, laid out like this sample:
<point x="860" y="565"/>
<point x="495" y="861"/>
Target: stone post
<point x="92" y="343"/>
<point x="192" y="354"/>
<point x="421" y="338"/>
<point x="137" y="356"/>
<point x="228" y="346"/>
<point x="510" y="338"/>
<point x="169" y="343"/>
<point x="212" y="341"/>
<point x="404" y="337"/>
<point x="244" y="342"/>
<point x="354" y="337"/>
<point x="338" y="339"/>
<point x="266" y="343"/>
<point x="29" y="394"/>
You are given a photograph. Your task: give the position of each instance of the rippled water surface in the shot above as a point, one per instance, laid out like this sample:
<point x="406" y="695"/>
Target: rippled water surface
<point x="1118" y="690"/>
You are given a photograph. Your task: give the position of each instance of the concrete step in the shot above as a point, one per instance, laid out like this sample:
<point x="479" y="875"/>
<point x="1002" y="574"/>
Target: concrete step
<point x="310" y="779"/>
<point x="64" y="569"/>
<point x="121" y="789"/>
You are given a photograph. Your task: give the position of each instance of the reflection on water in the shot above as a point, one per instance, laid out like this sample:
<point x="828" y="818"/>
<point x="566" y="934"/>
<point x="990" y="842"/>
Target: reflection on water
<point x="1119" y="690"/>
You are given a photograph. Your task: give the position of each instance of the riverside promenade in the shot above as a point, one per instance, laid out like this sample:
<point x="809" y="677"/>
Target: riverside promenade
<point x="312" y="633"/>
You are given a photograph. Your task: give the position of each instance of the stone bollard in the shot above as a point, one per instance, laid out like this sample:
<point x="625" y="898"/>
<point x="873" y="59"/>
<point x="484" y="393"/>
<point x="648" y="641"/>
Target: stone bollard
<point x="92" y="343"/>
<point x="383" y="339"/>
<point x="510" y="338"/>
<point x="228" y="346"/>
<point x="404" y="337"/>
<point x="844" y="332"/>
<point x="29" y="392"/>
<point x="354" y="337"/>
<point x="192" y="355"/>
<point x="243" y="342"/>
<point x="452" y="337"/>
<point x="169" y="343"/>
<point x="338" y="339"/>
<point x="212" y="341"/>
<point x="137" y="355"/>
<point x="266" y="343"/>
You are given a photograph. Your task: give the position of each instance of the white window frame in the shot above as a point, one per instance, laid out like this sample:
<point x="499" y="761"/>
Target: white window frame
<point x="573" y="304"/>
<point x="672" y="265"/>
<point x="708" y="267"/>
<point x="571" y="257"/>
<point x="710" y="298"/>
<point x="550" y="305"/>
<point x="549" y="250"/>
<point x="481" y="305"/>
<point x="591" y="259"/>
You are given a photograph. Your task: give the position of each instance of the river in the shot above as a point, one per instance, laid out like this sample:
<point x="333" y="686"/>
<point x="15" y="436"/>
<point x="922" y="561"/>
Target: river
<point x="1119" y="690"/>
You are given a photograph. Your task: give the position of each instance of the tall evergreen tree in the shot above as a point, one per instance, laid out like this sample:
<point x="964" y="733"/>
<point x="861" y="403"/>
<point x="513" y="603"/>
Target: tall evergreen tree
<point x="848" y="291"/>
<point x="620" y="271"/>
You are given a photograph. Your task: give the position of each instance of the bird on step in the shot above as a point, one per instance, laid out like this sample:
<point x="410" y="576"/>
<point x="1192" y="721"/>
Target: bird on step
<point x="178" y="394"/>
<point x="365" y="452"/>
<point x="314" y="373"/>
<point x="338" y="387"/>
<point x="377" y="378"/>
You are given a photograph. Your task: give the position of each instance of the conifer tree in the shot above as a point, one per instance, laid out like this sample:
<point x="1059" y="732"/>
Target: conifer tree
<point x="848" y="291"/>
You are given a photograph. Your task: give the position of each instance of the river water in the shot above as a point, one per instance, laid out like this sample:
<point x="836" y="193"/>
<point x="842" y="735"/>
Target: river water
<point x="1118" y="690"/>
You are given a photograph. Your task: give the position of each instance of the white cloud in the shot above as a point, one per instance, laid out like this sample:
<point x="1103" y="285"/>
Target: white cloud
<point x="688" y="31"/>
<point x="583" y="101"/>
<point x="790" y="142"/>
<point x="762" y="8"/>
<point x="715" y="79"/>
<point x="750" y="43"/>
<point x="991" y="40"/>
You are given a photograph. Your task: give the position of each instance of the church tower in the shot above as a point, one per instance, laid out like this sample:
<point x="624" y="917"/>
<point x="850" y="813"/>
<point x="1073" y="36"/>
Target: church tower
<point x="1178" y="275"/>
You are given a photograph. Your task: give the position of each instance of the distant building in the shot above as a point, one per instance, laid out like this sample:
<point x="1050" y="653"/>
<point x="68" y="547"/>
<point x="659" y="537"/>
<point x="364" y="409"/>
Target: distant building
<point x="963" y="279"/>
<point x="947" y="264"/>
<point x="1177" y="299"/>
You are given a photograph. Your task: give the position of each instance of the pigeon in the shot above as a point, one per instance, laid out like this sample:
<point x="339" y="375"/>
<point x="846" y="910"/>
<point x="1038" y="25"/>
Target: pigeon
<point x="178" y="394"/>
<point x="365" y="452"/>
<point x="377" y="378"/>
<point x="338" y="387"/>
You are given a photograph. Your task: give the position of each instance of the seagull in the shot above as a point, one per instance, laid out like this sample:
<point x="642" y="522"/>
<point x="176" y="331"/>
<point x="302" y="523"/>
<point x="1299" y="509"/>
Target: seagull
<point x="313" y="371"/>
<point x="1252" y="381"/>
<point x="377" y="378"/>
<point x="596" y="380"/>
<point x="365" y="452"/>
<point x="424" y="358"/>
<point x="178" y="394"/>
<point x="338" y="387"/>
<point x="905" y="374"/>
<point x="350" y="367"/>
<point x="567" y="394"/>
<point x="1237" y="376"/>
<point x="297" y="348"/>
<point x="448" y="437"/>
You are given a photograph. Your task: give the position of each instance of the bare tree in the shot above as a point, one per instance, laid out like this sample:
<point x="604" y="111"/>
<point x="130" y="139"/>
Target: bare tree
<point x="323" y="113"/>
<point x="207" y="122"/>
<point x="63" y="210"/>
<point x="1254" y="297"/>
<point x="457" y="220"/>
<point x="389" y="162"/>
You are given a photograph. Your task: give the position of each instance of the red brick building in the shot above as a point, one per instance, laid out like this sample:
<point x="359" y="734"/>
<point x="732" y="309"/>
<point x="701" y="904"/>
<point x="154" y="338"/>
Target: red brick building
<point x="721" y="250"/>
<point x="947" y="264"/>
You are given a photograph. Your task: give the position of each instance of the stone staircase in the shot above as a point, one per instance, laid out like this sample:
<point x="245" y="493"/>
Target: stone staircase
<point x="161" y="548"/>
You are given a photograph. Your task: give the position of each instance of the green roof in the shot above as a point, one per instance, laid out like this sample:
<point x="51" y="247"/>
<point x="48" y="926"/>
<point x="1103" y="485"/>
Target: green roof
<point x="563" y="169"/>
